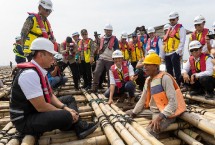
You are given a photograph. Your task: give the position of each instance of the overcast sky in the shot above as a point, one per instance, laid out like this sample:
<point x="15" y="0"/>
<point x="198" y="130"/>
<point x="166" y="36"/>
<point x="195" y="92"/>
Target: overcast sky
<point x="73" y="15"/>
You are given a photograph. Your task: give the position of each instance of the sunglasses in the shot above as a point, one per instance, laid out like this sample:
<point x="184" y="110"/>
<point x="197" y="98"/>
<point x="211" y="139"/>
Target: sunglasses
<point x="172" y="20"/>
<point x="47" y="10"/>
<point x="194" y="50"/>
<point x="197" y="25"/>
<point x="134" y="36"/>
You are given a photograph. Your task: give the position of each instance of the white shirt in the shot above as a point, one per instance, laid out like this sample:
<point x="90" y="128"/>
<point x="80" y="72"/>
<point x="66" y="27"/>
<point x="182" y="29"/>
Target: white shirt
<point x="130" y="73"/>
<point x="207" y="72"/>
<point x="182" y="34"/>
<point x="29" y="81"/>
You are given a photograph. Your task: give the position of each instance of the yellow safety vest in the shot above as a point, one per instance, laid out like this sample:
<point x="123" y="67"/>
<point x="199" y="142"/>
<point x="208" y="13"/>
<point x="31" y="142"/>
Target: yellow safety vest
<point x="34" y="33"/>
<point x="172" y="43"/>
<point x="86" y="47"/>
<point x="136" y="51"/>
<point x="125" y="52"/>
<point x="16" y="51"/>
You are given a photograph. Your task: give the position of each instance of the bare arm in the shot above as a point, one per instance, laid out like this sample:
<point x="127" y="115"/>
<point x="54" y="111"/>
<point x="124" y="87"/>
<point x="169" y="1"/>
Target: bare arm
<point x="26" y="29"/>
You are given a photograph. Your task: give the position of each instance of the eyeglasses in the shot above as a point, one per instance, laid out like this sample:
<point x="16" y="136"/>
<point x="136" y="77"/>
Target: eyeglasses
<point x="194" y="50"/>
<point x="47" y="10"/>
<point x="171" y="19"/>
<point x="134" y="36"/>
<point x="197" y="25"/>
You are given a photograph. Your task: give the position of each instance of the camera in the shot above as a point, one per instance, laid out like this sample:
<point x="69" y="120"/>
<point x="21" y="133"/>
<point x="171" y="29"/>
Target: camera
<point x="211" y="36"/>
<point x="137" y="72"/>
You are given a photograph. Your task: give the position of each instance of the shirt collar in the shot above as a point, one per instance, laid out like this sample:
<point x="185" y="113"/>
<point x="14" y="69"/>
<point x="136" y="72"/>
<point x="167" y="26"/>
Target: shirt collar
<point x="120" y="69"/>
<point x="44" y="72"/>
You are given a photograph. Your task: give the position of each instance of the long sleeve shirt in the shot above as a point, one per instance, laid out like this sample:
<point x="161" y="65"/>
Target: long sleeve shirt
<point x="70" y="59"/>
<point x="169" y="89"/>
<point x="207" y="72"/>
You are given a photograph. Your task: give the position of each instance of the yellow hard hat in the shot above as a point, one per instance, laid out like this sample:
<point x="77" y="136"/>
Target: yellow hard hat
<point x="152" y="58"/>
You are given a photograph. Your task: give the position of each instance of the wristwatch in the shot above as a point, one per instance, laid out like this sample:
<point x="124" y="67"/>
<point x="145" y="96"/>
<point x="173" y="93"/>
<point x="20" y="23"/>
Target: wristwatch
<point x="63" y="106"/>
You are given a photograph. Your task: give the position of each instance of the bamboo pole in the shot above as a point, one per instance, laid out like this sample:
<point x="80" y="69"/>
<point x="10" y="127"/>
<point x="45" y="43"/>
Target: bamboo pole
<point x="85" y="109"/>
<point x="6" y="128"/>
<point x="138" y="127"/>
<point x="112" y="136"/>
<point x="136" y="134"/>
<point x="199" y="122"/>
<point x="124" y="133"/>
<point x="5" y="140"/>
<point x="202" y="112"/>
<point x="171" y="141"/>
<point x="178" y="125"/>
<point x="13" y="142"/>
<point x="84" y="114"/>
<point x="28" y="140"/>
<point x="69" y="93"/>
<point x="4" y="120"/>
<point x="189" y="140"/>
<point x="206" y="137"/>
<point x="200" y="99"/>
<point x="99" y="140"/>
<point x="192" y="134"/>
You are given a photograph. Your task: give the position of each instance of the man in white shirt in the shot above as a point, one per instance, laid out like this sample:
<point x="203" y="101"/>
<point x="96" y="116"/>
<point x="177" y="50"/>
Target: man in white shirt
<point x="121" y="77"/>
<point x="174" y="41"/>
<point x="198" y="71"/>
<point x="34" y="109"/>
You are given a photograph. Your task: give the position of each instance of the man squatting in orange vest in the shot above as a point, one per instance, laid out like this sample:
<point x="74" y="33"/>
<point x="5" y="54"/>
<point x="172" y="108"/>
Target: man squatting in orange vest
<point x="121" y="77"/>
<point x="161" y="98"/>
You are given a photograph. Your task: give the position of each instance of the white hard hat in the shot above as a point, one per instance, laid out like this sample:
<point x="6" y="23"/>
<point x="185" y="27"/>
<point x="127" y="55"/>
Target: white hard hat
<point x="199" y="19"/>
<point x="117" y="54"/>
<point x="194" y="44"/>
<point x="75" y="34"/>
<point x="124" y="35"/>
<point x="46" y="4"/>
<point x="43" y="44"/>
<point x="151" y="30"/>
<point x="108" y="27"/>
<point x="151" y="51"/>
<point x="213" y="26"/>
<point x="173" y="15"/>
<point x="18" y="38"/>
<point x="58" y="56"/>
<point x="166" y="27"/>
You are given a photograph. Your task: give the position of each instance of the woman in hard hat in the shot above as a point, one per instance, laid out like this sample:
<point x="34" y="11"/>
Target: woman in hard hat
<point x="121" y="77"/>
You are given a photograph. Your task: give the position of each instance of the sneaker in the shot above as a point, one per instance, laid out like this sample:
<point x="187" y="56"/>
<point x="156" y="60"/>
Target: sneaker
<point x="86" y="129"/>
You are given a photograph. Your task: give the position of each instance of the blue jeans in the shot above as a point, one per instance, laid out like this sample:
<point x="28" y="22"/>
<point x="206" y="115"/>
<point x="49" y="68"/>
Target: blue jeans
<point x="57" y="81"/>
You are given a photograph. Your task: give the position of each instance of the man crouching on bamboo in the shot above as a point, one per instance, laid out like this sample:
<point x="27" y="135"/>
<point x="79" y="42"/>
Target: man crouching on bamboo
<point x="161" y="98"/>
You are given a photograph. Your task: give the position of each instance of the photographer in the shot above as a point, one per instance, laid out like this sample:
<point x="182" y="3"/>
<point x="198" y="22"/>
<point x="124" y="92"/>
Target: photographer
<point x="69" y="49"/>
<point x="55" y="74"/>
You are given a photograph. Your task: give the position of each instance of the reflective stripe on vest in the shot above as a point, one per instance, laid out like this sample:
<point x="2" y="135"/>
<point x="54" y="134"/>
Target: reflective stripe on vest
<point x="136" y="51"/>
<point x="39" y="29"/>
<point x="110" y="43"/>
<point x="47" y="91"/>
<point x="86" y="48"/>
<point x="125" y="74"/>
<point x="125" y="50"/>
<point x="159" y="95"/>
<point x="16" y="51"/>
<point x="201" y="37"/>
<point x="172" y="39"/>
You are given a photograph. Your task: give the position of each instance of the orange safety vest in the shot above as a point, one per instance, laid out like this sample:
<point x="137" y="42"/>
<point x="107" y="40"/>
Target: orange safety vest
<point x="160" y="97"/>
<point x="110" y="43"/>
<point x="118" y="76"/>
<point x="47" y="91"/>
<point x="194" y="68"/>
<point x="202" y="39"/>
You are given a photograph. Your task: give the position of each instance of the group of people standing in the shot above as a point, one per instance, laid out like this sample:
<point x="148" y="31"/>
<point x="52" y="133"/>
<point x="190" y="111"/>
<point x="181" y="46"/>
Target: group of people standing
<point x="126" y="64"/>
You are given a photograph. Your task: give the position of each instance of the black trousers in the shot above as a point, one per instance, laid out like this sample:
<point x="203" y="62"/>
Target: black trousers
<point x="203" y="84"/>
<point x="20" y="60"/>
<point x="141" y="79"/>
<point x="75" y="72"/>
<point x="173" y="63"/>
<point x="134" y="65"/>
<point x="38" y="123"/>
<point x="86" y="72"/>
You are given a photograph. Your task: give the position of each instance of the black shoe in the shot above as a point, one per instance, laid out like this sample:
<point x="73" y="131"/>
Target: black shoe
<point x="94" y="89"/>
<point x="84" y="129"/>
<point x="84" y="86"/>
<point x="194" y="93"/>
<point x="209" y="95"/>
